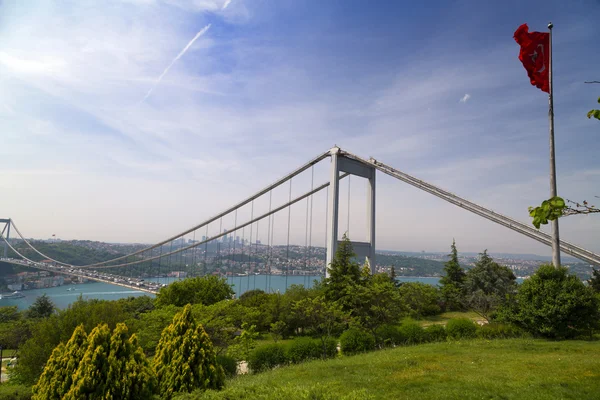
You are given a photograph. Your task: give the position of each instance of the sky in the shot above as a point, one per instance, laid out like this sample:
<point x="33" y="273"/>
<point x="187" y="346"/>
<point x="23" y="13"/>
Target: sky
<point x="129" y="121"/>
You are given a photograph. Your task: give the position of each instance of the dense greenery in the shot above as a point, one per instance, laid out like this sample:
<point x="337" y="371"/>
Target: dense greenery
<point x="452" y="281"/>
<point x="205" y="290"/>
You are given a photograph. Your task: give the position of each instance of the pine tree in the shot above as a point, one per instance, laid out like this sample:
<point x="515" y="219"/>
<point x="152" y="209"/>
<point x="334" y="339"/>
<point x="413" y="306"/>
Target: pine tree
<point x="452" y="282"/>
<point x="594" y="281"/>
<point x="57" y="377"/>
<point x="112" y="367"/>
<point x="185" y="359"/>
<point x="344" y="272"/>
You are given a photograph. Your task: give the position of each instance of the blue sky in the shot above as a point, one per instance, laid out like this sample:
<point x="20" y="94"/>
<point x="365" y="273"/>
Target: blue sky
<point x="434" y="89"/>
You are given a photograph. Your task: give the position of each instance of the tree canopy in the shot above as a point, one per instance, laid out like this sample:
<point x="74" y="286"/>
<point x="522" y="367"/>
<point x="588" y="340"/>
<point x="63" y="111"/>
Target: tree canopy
<point x="205" y="290"/>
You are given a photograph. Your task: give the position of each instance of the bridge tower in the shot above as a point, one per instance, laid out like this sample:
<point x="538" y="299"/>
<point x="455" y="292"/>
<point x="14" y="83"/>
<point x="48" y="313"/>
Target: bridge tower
<point x="6" y="229"/>
<point x="344" y="164"/>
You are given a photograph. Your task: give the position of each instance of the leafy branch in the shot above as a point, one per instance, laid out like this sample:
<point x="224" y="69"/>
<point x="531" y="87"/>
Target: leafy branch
<point x="556" y="207"/>
<point x="594" y="113"/>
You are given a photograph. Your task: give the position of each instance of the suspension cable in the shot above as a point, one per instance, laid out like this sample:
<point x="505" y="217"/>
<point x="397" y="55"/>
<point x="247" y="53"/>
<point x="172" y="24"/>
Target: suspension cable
<point x="287" y="267"/>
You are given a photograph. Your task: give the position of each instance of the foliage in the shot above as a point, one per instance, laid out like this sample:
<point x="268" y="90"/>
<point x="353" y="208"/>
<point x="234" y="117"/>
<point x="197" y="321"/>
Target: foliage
<point x="435" y="333"/>
<point x="451" y="283"/>
<point x="461" y="328"/>
<point x="549" y="210"/>
<point x="10" y="391"/>
<point x="344" y="274"/>
<point x="420" y="298"/>
<point x="244" y="343"/>
<point x="229" y="365"/>
<point x="388" y="336"/>
<point x="594" y="113"/>
<point x="267" y="357"/>
<point x="302" y="349"/>
<point x="376" y="303"/>
<point x="278" y="329"/>
<point x="594" y="281"/>
<point x="411" y="332"/>
<point x="356" y="340"/>
<point x="205" y="290"/>
<point x="487" y="286"/>
<point x="47" y="333"/>
<point x="15" y="333"/>
<point x="57" y="378"/>
<point x="323" y="319"/>
<point x="185" y="359"/>
<point x="42" y="307"/>
<point x="149" y="326"/>
<point x="475" y="369"/>
<point x="112" y="367"/>
<point x="495" y="330"/>
<point x="9" y="314"/>
<point x="554" y="304"/>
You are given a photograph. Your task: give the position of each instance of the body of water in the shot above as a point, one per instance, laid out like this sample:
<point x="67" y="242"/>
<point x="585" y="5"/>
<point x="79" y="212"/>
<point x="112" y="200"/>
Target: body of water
<point x="62" y="296"/>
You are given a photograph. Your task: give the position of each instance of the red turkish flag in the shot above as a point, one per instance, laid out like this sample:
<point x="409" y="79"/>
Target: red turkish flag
<point x="535" y="55"/>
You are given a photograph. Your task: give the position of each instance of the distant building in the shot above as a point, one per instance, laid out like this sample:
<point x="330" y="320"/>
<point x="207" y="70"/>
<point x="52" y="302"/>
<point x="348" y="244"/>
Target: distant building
<point x="15" y="286"/>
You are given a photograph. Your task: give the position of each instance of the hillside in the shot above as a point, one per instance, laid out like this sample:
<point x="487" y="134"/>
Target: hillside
<point x="499" y="369"/>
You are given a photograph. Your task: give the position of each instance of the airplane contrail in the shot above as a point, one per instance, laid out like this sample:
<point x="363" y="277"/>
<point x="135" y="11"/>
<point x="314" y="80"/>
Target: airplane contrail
<point x="181" y="53"/>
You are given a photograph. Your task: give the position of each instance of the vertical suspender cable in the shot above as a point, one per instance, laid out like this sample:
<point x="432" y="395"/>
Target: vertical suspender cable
<point x="219" y="244"/>
<point x="326" y="220"/>
<point x="312" y="184"/>
<point x="194" y="254"/>
<point x="234" y="233"/>
<point x="255" y="263"/>
<point x="250" y="248"/>
<point x="272" y="245"/>
<point x="348" y="225"/>
<point x="205" y="250"/>
<point x="268" y="275"/>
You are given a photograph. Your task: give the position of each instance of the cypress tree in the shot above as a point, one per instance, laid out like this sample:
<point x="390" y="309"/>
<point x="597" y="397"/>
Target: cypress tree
<point x="452" y="282"/>
<point x="344" y="273"/>
<point x="185" y="359"/>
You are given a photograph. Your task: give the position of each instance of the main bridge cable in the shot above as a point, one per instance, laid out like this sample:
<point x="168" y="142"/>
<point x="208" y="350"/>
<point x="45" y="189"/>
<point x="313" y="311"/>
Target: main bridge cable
<point x="219" y="235"/>
<point x="503" y="220"/>
<point x="212" y="219"/>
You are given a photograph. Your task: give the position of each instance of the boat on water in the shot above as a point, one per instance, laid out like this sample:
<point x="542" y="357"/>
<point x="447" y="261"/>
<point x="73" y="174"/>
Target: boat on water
<point x="14" y="295"/>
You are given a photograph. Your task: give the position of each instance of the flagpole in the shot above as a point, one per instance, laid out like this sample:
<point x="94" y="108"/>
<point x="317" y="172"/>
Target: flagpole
<point x="553" y="192"/>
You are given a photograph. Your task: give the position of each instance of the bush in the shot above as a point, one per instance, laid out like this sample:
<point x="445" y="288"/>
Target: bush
<point x="554" y="304"/>
<point x="497" y="330"/>
<point x="411" y="332"/>
<point x="355" y="340"/>
<point x="267" y="357"/>
<point x="302" y="349"/>
<point x="461" y="328"/>
<point x="435" y="333"/>
<point x="229" y="365"/>
<point x="14" y="392"/>
<point x="388" y="336"/>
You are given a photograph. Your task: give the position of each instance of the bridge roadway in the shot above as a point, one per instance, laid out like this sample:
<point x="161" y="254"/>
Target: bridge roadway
<point x="137" y="284"/>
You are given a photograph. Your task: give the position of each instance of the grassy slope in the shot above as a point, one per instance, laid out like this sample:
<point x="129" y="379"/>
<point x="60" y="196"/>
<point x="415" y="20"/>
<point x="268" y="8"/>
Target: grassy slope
<point x="501" y="369"/>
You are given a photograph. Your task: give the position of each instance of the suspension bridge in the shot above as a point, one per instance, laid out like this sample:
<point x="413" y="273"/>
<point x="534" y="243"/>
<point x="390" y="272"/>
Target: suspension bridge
<point x="214" y="246"/>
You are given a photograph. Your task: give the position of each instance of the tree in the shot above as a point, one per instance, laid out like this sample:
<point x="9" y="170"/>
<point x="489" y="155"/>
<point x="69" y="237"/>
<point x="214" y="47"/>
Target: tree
<point x="185" y="359"/>
<point x="322" y="318"/>
<point x="113" y="367"/>
<point x="554" y="304"/>
<point x="57" y="378"/>
<point x="420" y="298"/>
<point x="594" y="281"/>
<point x="43" y="307"/>
<point x="244" y="343"/>
<point x="344" y="274"/>
<point x="487" y="285"/>
<point x="452" y="281"/>
<point x="9" y="314"/>
<point x="205" y="290"/>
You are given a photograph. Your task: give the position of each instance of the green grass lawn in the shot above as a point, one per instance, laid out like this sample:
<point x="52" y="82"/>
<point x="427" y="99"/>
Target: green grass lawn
<point x="445" y="317"/>
<point x="478" y="369"/>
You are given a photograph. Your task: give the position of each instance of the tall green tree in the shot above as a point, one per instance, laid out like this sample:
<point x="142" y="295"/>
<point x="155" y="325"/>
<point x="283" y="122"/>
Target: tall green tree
<point x="594" y="281"/>
<point x="555" y="304"/>
<point x="57" y="378"/>
<point x="453" y="280"/>
<point x="42" y="307"/>
<point x="487" y="286"/>
<point x="420" y="298"/>
<point x="344" y="274"/>
<point x="205" y="290"/>
<point x="113" y="367"/>
<point x="185" y="359"/>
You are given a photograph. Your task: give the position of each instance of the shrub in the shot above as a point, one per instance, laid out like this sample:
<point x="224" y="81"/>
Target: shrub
<point x="497" y="330"/>
<point x="388" y="336"/>
<point x="554" y="304"/>
<point x="411" y="332"/>
<point x="331" y="347"/>
<point x="461" y="328"/>
<point x="435" y="333"/>
<point x="302" y="349"/>
<point x="267" y="357"/>
<point x="229" y="365"/>
<point x="355" y="340"/>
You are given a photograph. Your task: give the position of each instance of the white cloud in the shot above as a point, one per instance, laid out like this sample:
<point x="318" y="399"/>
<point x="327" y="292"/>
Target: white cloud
<point x="226" y="4"/>
<point x="465" y="98"/>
